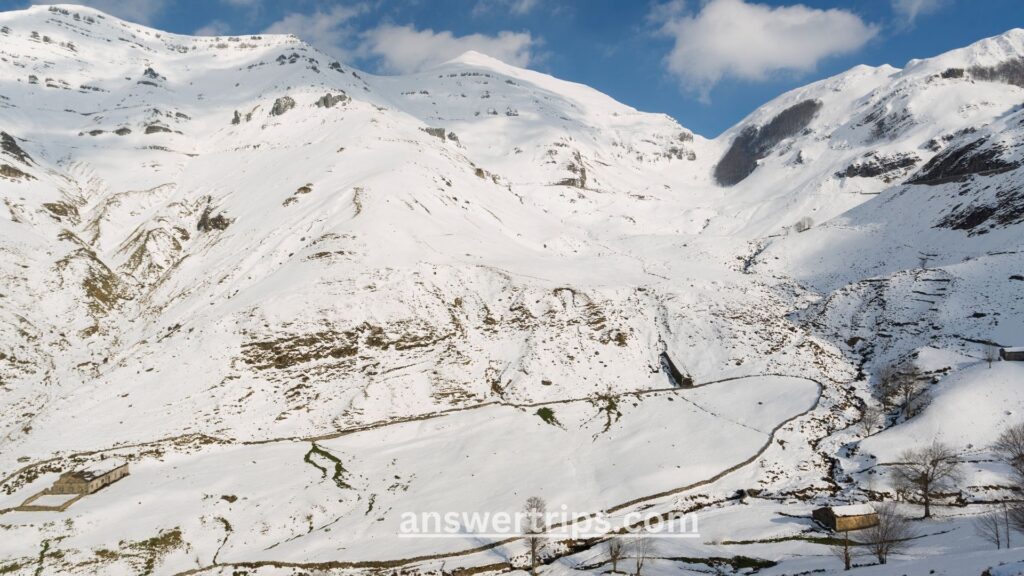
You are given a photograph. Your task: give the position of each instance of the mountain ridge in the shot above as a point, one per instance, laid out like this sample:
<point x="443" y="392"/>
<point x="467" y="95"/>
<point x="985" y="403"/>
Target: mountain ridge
<point x="236" y="253"/>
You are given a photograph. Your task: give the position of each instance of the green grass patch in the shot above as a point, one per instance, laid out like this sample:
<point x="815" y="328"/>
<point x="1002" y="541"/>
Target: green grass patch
<point x="823" y="540"/>
<point x="161" y="543"/>
<point x="608" y="404"/>
<point x="338" y="475"/>
<point x="548" y="416"/>
<point x="42" y="557"/>
<point x="736" y="562"/>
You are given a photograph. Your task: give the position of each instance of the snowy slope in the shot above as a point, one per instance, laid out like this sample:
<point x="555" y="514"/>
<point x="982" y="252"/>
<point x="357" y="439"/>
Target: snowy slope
<point x="862" y="131"/>
<point x="230" y="260"/>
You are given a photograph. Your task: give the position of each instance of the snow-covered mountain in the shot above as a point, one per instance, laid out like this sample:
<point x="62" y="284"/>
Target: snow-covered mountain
<point x="301" y="299"/>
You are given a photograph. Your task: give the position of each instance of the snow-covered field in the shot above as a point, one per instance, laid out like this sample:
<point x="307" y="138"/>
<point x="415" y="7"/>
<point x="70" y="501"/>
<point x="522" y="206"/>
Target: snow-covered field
<point x="302" y="300"/>
<point x="585" y="457"/>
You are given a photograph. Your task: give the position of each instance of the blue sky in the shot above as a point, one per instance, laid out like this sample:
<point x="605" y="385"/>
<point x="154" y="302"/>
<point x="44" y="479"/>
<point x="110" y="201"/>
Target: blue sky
<point x="706" y="63"/>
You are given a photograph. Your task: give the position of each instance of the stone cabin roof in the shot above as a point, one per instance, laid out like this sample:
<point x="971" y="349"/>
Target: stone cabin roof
<point x="852" y="510"/>
<point x="94" y="471"/>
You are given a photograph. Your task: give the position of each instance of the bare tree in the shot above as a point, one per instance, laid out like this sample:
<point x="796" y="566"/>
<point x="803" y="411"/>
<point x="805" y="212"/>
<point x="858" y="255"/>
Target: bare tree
<point x="804" y="224"/>
<point x="890" y="536"/>
<point x="534" y="512"/>
<point x="1006" y="523"/>
<point x="990" y="527"/>
<point x="898" y="385"/>
<point x="1009" y="447"/>
<point x="928" y="470"/>
<point x="616" y="551"/>
<point x="888" y="372"/>
<point x="991" y="354"/>
<point x="1016" y="519"/>
<point x="643" y="548"/>
<point x="845" y="550"/>
<point x="884" y="389"/>
<point x="870" y="419"/>
<point x="908" y="386"/>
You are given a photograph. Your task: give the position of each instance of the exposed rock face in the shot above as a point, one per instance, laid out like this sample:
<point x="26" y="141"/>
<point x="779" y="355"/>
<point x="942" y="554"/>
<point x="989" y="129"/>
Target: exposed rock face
<point x="282" y="105"/>
<point x="754" y="143"/>
<point x="441" y="134"/>
<point x="675" y="376"/>
<point x="8" y="171"/>
<point x="63" y="210"/>
<point x="330" y="100"/>
<point x="151" y="78"/>
<point x="888" y="119"/>
<point x="577" y="167"/>
<point x="938" y="143"/>
<point x="983" y="214"/>
<point x="681" y="151"/>
<point x="976" y="157"/>
<point x="209" y="222"/>
<point x="155" y="128"/>
<point x="9" y="146"/>
<point x="888" y="168"/>
<point x="435" y="132"/>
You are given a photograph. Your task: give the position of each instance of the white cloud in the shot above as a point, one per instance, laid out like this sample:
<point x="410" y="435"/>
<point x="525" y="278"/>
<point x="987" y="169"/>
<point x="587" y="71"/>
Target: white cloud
<point x="398" y="49"/>
<point x="404" y="49"/>
<point x="138" y="11"/>
<point x="213" y="28"/>
<point x="515" y="7"/>
<point x="734" y="39"/>
<point x="523" y="6"/>
<point x="327" y="30"/>
<point x="666" y="11"/>
<point x="909" y="10"/>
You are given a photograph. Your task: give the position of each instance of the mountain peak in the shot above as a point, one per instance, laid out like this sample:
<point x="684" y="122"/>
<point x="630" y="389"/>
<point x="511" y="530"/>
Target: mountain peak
<point x="986" y="52"/>
<point x="474" y="58"/>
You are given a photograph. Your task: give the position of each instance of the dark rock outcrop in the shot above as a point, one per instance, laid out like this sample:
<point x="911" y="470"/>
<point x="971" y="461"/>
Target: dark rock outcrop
<point x="577" y="167"/>
<point x="888" y="168"/>
<point x="676" y="376"/>
<point x="9" y="146"/>
<point x="282" y="105"/>
<point x="981" y="216"/>
<point x="330" y="100"/>
<point x="8" y="171"/>
<point x="435" y="132"/>
<point x="210" y="221"/>
<point x="978" y="157"/>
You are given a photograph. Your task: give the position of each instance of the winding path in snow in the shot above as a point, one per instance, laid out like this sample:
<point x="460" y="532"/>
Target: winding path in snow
<point x="385" y="564"/>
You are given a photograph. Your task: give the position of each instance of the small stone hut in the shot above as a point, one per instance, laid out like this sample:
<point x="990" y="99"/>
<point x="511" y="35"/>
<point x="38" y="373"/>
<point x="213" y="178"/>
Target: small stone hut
<point x="1015" y="354"/>
<point x="844" y="518"/>
<point x="90" y="479"/>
